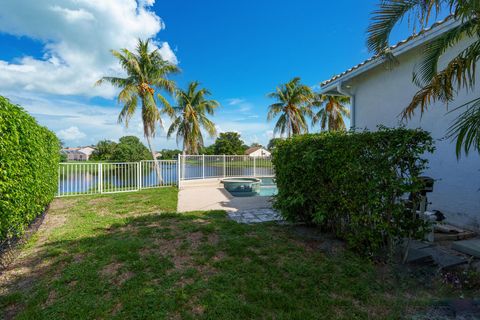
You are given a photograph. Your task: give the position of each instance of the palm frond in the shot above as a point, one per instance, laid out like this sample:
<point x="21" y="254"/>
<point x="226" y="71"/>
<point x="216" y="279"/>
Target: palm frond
<point x="466" y="129"/>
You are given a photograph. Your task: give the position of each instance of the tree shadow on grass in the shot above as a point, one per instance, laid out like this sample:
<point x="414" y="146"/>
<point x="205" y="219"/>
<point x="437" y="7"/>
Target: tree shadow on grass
<point x="194" y="266"/>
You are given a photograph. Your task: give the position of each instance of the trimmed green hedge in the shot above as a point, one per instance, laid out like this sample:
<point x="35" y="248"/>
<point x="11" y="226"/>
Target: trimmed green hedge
<point x="29" y="156"/>
<point x="351" y="183"/>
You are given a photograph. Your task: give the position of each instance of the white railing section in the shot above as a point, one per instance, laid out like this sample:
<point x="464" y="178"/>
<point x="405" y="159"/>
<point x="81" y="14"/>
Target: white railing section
<point x="219" y="166"/>
<point x="77" y="178"/>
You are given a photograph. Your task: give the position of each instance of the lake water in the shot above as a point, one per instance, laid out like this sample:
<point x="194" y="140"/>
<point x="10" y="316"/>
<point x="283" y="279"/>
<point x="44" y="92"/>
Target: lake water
<point x="116" y="178"/>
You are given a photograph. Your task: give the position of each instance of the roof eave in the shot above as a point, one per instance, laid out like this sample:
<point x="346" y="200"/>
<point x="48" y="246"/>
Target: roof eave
<point x="331" y="87"/>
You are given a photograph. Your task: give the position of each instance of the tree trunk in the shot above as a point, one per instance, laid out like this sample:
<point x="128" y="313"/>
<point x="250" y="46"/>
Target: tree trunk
<point x="157" y="167"/>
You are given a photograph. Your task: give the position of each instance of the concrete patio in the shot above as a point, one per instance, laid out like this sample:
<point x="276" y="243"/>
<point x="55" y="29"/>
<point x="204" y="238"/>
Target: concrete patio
<point x="210" y="195"/>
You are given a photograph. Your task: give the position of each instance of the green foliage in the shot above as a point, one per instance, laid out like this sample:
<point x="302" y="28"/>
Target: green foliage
<point x="229" y="143"/>
<point x="189" y="117"/>
<point x="63" y="157"/>
<point x="130" y="149"/>
<point x="104" y="151"/>
<point x="210" y="150"/>
<point x="168" y="154"/>
<point x="292" y="107"/>
<point x="29" y="155"/>
<point x="351" y="183"/>
<point x="147" y="78"/>
<point x="273" y="143"/>
<point x="332" y="112"/>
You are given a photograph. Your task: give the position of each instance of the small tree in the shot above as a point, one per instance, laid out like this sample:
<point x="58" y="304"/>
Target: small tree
<point x="229" y="143"/>
<point x="130" y="149"/>
<point x="104" y="150"/>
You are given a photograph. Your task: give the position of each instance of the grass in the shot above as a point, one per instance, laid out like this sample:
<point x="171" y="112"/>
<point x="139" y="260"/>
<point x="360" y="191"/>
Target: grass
<point x="127" y="256"/>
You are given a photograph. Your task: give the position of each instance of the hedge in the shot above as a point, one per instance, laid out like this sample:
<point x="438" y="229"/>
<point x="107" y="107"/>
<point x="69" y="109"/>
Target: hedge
<point x="29" y="156"/>
<point x="353" y="183"/>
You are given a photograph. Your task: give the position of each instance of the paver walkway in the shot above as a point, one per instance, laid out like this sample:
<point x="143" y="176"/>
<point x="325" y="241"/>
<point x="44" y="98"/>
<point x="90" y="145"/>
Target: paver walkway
<point x="255" y="216"/>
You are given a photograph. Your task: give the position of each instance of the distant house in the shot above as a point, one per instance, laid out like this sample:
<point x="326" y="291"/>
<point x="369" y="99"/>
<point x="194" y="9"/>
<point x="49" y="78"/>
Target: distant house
<point x="378" y="95"/>
<point x="78" y="154"/>
<point x="257" y="152"/>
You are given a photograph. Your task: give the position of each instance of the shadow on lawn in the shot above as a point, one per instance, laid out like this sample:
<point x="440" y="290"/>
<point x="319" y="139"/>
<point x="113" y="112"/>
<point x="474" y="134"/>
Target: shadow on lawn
<point x="196" y="266"/>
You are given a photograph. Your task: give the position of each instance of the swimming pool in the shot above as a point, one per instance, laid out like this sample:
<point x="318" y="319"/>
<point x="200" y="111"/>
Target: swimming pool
<point x="251" y="187"/>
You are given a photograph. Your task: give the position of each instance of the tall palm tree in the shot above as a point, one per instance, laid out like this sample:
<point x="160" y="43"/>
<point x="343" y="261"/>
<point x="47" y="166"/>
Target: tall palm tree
<point x="438" y="84"/>
<point x="146" y="76"/>
<point x="293" y="106"/>
<point x="190" y="116"/>
<point x="332" y="111"/>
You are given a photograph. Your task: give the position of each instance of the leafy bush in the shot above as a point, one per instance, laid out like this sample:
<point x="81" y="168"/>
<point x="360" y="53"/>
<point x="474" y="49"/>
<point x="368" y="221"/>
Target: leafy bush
<point x="130" y="149"/>
<point x="352" y="183"/>
<point x="29" y="156"/>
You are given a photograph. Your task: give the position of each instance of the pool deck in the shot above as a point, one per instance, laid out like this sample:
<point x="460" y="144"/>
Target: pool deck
<point x="210" y="195"/>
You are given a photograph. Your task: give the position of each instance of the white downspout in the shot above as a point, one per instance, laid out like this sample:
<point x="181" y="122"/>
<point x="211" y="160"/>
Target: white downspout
<point x="352" y="103"/>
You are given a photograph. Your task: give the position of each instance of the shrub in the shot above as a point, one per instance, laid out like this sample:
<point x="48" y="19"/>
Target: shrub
<point x="29" y="156"/>
<point x="351" y="183"/>
<point x="130" y="149"/>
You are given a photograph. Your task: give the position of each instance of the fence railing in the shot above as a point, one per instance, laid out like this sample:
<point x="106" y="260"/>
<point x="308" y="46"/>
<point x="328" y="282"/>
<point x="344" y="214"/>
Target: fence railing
<point x="218" y="166"/>
<point x="77" y="178"/>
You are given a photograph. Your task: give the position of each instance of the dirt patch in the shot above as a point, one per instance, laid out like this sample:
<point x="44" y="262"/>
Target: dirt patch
<point x="97" y="201"/>
<point x="111" y="269"/>
<point x="198" y="310"/>
<point x="123" y="277"/>
<point x="113" y="272"/>
<point x="116" y="309"/>
<point x="52" y="297"/>
<point x="11" y="311"/>
<point x="213" y="239"/>
<point x="201" y="221"/>
<point x="220" y="255"/>
<point x="62" y="203"/>
<point x="195" y="238"/>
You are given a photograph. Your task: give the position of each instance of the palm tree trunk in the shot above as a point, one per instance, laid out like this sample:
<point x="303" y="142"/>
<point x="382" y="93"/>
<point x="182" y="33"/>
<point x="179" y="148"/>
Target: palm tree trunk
<point x="157" y="167"/>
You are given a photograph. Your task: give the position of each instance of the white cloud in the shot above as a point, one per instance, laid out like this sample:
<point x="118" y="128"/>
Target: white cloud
<point x="95" y="122"/>
<point x="235" y="101"/>
<point x="72" y="133"/>
<point x="77" y="36"/>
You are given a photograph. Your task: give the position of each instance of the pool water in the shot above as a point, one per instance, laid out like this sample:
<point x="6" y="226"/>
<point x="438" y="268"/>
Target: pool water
<point x="266" y="188"/>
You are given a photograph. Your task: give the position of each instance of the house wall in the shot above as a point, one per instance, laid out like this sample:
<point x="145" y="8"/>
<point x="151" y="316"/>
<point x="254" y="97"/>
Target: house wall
<point x="260" y="153"/>
<point x="382" y="94"/>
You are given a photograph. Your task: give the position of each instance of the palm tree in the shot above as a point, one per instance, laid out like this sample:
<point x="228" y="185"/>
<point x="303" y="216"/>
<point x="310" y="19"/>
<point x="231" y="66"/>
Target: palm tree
<point x="146" y="76"/>
<point x="438" y="84"/>
<point x="332" y="111"/>
<point x="190" y="116"/>
<point x="293" y="106"/>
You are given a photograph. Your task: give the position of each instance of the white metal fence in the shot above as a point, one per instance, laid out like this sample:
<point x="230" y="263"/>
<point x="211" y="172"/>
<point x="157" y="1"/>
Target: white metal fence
<point x="218" y="166"/>
<point x="77" y="178"/>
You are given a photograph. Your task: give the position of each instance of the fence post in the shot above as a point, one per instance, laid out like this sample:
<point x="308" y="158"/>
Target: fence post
<point x="139" y="173"/>
<point x="100" y="177"/>
<point x="224" y="166"/>
<point x="178" y="170"/>
<point x="203" y="166"/>
<point x="254" y="167"/>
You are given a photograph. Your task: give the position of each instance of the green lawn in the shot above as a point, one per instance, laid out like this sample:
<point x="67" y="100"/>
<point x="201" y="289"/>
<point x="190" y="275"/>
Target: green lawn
<point x="128" y="256"/>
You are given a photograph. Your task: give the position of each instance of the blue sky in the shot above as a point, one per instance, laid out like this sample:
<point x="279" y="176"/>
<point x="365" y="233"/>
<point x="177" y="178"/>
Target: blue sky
<point x="54" y="50"/>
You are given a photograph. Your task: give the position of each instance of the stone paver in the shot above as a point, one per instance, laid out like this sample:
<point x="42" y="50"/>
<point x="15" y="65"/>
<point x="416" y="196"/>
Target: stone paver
<point x="255" y="216"/>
